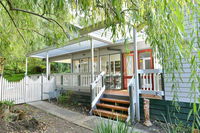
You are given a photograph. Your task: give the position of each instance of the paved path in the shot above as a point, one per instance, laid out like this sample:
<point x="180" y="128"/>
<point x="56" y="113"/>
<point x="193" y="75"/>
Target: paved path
<point x="88" y="122"/>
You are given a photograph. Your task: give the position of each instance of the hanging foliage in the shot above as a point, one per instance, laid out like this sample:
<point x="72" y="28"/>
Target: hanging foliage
<point x="32" y="24"/>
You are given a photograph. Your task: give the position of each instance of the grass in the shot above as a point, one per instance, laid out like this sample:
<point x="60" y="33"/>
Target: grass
<point x="175" y="127"/>
<point x="14" y="77"/>
<point x="108" y="126"/>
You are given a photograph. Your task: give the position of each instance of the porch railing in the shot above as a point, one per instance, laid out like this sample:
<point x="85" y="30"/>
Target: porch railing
<point x="74" y="80"/>
<point x="151" y="81"/>
<point x="97" y="88"/>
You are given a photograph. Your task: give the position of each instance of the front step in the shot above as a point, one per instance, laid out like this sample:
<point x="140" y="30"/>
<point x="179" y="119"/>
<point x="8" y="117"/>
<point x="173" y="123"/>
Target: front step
<point x="112" y="107"/>
<point x="115" y="100"/>
<point x="110" y="114"/>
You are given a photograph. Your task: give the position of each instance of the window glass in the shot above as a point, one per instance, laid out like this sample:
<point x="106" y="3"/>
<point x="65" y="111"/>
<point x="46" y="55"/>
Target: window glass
<point x="76" y="66"/>
<point x="104" y="64"/>
<point x="95" y="64"/>
<point x="115" y="64"/>
<point x="84" y="65"/>
<point x="145" y="60"/>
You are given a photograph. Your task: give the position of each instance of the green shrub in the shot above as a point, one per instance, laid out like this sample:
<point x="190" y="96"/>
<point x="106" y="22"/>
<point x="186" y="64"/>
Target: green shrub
<point x="65" y="98"/>
<point x="14" y="77"/>
<point x="7" y="103"/>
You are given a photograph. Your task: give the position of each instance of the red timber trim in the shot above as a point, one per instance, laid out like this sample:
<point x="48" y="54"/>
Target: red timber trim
<point x="125" y="77"/>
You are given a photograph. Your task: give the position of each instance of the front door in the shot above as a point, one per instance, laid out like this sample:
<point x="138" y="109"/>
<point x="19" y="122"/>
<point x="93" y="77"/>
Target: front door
<point x="145" y="61"/>
<point x="128" y="68"/>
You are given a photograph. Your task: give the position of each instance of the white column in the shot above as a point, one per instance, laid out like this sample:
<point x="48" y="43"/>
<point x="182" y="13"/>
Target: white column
<point x="136" y="74"/>
<point x="47" y="64"/>
<point x="98" y="60"/>
<point x="92" y="60"/>
<point x="26" y="73"/>
<point x="71" y="63"/>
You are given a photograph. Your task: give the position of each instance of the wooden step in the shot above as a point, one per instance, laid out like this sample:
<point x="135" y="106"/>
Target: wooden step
<point x="114" y="107"/>
<point x="115" y="100"/>
<point x="110" y="114"/>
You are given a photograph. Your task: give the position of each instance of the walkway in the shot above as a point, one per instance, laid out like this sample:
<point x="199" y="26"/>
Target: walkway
<point x="88" y="122"/>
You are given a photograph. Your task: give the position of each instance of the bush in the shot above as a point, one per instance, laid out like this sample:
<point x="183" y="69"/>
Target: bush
<point x="6" y="104"/>
<point x="14" y="77"/>
<point x="65" y="98"/>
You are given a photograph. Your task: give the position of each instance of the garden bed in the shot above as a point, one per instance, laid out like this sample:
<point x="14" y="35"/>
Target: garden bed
<point x="71" y="101"/>
<point x="38" y="121"/>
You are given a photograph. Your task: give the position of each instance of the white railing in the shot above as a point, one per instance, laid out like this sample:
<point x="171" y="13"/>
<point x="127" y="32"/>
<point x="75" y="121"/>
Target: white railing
<point x="97" y="88"/>
<point x="151" y="81"/>
<point x="132" y="95"/>
<point x="73" y="80"/>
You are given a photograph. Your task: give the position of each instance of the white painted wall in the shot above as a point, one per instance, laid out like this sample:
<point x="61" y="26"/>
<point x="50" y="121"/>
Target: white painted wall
<point x="184" y="93"/>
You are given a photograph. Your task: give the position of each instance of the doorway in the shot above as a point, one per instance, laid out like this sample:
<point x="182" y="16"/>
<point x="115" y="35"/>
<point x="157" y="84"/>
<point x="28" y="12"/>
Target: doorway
<point x="145" y="61"/>
<point x="111" y="65"/>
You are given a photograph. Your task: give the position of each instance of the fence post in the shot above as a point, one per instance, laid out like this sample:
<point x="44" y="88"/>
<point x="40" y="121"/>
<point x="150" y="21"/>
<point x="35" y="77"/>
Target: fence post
<point x="25" y="90"/>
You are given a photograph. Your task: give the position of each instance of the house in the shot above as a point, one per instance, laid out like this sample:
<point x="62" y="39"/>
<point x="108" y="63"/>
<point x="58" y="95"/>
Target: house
<point x="107" y="70"/>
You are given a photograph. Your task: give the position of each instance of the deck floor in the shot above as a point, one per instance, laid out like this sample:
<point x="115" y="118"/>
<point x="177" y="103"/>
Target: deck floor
<point x="117" y="92"/>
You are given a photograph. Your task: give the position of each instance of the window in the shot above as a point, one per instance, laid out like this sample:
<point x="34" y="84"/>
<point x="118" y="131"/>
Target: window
<point x="76" y="66"/>
<point x="115" y="64"/>
<point x="95" y="64"/>
<point x="145" y="60"/>
<point x="84" y="65"/>
<point x="104" y="64"/>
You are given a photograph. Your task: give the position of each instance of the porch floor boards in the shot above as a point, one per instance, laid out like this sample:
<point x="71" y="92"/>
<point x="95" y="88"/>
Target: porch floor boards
<point x="117" y="92"/>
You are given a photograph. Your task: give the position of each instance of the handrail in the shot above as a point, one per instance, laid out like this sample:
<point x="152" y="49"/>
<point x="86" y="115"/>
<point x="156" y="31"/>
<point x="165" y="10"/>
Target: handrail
<point x="97" y="88"/>
<point x="151" y="82"/>
<point x="146" y="71"/>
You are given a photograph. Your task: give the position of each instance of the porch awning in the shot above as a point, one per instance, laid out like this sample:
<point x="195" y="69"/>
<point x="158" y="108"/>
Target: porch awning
<point x="82" y="43"/>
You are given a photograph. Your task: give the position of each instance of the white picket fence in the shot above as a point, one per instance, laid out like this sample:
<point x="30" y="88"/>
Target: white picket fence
<point x="28" y="89"/>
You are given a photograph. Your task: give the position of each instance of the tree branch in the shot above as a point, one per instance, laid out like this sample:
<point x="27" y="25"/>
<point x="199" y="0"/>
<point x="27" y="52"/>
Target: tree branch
<point x="12" y="19"/>
<point x="38" y="15"/>
<point x="35" y="31"/>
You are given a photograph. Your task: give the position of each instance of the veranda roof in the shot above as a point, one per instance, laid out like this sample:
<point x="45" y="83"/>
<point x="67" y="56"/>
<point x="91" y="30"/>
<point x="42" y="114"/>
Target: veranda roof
<point x="99" y="39"/>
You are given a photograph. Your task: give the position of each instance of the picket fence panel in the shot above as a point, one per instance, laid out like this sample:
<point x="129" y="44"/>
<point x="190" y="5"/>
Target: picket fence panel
<point x="48" y="86"/>
<point x="34" y="89"/>
<point x="26" y="90"/>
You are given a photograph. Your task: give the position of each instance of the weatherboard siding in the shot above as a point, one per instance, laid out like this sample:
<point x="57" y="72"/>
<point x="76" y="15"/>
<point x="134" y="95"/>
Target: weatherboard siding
<point x="184" y="93"/>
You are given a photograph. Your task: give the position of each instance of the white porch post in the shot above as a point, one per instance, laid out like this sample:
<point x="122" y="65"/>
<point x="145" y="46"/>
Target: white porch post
<point x="71" y="63"/>
<point x="136" y="74"/>
<point x="47" y="64"/>
<point x="98" y="60"/>
<point x="26" y="73"/>
<point x="92" y="60"/>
